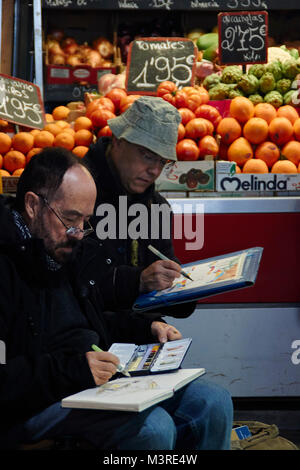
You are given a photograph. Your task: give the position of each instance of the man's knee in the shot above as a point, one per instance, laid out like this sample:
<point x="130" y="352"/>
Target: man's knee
<point x="158" y="432"/>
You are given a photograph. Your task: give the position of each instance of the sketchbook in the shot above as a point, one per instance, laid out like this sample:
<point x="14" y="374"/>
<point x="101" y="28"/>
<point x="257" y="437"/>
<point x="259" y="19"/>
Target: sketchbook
<point x="132" y="393"/>
<point x="211" y="276"/>
<point x="151" y="358"/>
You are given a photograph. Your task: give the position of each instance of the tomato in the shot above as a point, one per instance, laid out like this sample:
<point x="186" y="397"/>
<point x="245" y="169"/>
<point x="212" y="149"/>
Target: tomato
<point x="107" y="103"/>
<point x="127" y="101"/>
<point x="194" y="100"/>
<point x="116" y="95"/>
<point x="209" y="112"/>
<point x="208" y="146"/>
<point x="99" y="117"/>
<point x="203" y="93"/>
<point x="181" y="132"/>
<point x="181" y="99"/>
<point x="186" y="115"/>
<point x="187" y="150"/>
<point x="196" y="128"/>
<point x="166" y="87"/>
<point x="104" y="131"/>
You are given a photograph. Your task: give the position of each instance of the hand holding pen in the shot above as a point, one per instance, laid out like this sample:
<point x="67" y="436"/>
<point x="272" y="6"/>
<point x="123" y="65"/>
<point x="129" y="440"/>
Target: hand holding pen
<point x="103" y="365"/>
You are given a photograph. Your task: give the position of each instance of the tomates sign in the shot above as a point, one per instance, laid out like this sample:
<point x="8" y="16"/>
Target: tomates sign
<point x="243" y="37"/>
<point x="155" y="60"/>
<point x="21" y="102"/>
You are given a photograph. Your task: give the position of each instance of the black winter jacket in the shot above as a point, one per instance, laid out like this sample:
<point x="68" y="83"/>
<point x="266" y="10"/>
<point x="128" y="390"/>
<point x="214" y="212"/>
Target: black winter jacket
<point x="122" y="276"/>
<point x="45" y="346"/>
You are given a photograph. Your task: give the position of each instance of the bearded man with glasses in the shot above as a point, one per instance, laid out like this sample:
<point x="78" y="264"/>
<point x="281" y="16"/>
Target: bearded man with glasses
<point x="51" y="312"/>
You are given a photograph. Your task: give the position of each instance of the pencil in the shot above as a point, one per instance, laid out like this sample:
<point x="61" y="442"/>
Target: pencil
<point x="161" y="256"/>
<point x="120" y="368"/>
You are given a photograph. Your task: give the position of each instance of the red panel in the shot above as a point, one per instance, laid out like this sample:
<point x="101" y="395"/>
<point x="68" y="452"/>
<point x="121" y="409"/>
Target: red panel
<point x="278" y="278"/>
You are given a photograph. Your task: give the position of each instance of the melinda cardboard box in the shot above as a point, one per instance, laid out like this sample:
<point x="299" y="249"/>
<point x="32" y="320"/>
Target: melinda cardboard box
<point x="187" y="176"/>
<point x="229" y="181"/>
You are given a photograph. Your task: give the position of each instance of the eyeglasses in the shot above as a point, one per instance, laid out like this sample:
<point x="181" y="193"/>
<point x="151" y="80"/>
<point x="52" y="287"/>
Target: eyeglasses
<point x="70" y="231"/>
<point x="152" y="160"/>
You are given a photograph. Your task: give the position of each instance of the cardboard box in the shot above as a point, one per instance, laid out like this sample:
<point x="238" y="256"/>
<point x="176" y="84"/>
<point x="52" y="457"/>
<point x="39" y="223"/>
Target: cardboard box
<point x="229" y="181"/>
<point x="187" y="176"/>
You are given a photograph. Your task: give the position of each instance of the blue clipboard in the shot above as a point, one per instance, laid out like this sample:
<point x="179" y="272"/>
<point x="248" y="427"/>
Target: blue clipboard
<point x="248" y="259"/>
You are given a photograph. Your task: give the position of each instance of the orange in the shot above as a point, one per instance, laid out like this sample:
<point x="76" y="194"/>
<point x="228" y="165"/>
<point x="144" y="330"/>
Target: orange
<point x="4" y="173"/>
<point x="13" y="160"/>
<point x="64" y="139"/>
<point x="83" y="137"/>
<point x="240" y="151"/>
<point x="256" y="130"/>
<point x="70" y="130"/>
<point x="60" y="112"/>
<point x="255" y="165"/>
<point x="34" y="132"/>
<point x="53" y="128"/>
<point x="229" y="129"/>
<point x="1" y="161"/>
<point x="291" y="151"/>
<point x="49" y="117"/>
<point x="280" y="130"/>
<point x="5" y="143"/>
<point x="82" y="122"/>
<point x="289" y="112"/>
<point x="44" y="139"/>
<point x="32" y="152"/>
<point x="237" y="169"/>
<point x="208" y="146"/>
<point x="265" y="111"/>
<point x="268" y="152"/>
<point x="63" y="124"/>
<point x="18" y="172"/>
<point x="23" y="141"/>
<point x="284" y="166"/>
<point x="297" y="129"/>
<point x="241" y="108"/>
<point x="299" y="168"/>
<point x="80" y="150"/>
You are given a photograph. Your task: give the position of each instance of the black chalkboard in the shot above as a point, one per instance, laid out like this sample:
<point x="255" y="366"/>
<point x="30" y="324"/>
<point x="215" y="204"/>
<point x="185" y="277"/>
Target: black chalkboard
<point x="191" y="5"/>
<point x="243" y="37"/>
<point x="21" y="102"/>
<point x="154" y="60"/>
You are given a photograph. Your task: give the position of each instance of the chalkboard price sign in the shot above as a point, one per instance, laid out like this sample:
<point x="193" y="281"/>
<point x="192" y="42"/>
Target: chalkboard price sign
<point x="21" y="102"/>
<point x="243" y="37"/>
<point x="154" y="60"/>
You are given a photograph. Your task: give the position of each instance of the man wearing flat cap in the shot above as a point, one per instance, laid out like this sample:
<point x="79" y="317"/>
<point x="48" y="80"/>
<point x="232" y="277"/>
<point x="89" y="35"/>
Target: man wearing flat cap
<point x="125" y="168"/>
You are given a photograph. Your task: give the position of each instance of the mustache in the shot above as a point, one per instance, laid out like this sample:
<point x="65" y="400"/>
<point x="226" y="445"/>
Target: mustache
<point x="69" y="244"/>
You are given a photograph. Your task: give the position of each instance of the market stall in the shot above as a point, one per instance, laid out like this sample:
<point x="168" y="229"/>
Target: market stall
<point x="238" y="150"/>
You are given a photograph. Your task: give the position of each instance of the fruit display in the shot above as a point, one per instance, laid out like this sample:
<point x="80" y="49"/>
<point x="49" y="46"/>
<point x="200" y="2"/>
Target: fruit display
<point x="66" y="50"/>
<point x="275" y="82"/>
<point x="259" y="138"/>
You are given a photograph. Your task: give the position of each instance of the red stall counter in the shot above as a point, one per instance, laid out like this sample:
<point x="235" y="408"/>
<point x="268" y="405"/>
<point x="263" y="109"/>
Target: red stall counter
<point x="232" y="224"/>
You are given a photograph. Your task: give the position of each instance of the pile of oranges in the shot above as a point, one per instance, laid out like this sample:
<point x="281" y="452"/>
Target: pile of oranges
<point x="260" y="138"/>
<point x="18" y="149"/>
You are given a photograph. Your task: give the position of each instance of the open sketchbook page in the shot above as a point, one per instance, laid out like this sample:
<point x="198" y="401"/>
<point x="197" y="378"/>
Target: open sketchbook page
<point x="134" y="393"/>
<point x="212" y="272"/>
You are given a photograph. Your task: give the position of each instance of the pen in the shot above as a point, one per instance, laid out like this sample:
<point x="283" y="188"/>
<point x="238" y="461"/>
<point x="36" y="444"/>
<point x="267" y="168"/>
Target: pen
<point x="120" y="368"/>
<point x="161" y="256"/>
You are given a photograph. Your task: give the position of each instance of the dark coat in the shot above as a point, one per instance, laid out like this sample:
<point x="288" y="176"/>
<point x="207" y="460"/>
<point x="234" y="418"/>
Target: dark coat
<point x="122" y="275"/>
<point x="45" y="347"/>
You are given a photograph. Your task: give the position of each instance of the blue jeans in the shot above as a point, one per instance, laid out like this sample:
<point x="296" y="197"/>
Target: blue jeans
<point x="197" y="417"/>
